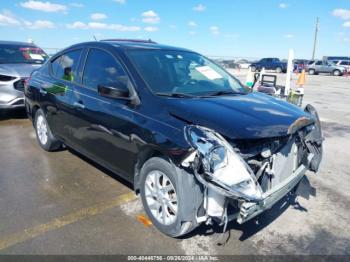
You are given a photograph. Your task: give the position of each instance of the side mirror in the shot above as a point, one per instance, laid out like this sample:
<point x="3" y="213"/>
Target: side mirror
<point x="115" y="90"/>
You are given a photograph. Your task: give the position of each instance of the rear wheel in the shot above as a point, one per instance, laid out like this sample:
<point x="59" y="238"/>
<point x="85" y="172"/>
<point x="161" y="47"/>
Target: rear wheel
<point x="278" y="70"/>
<point x="43" y="133"/>
<point x="253" y="68"/>
<point x="170" y="196"/>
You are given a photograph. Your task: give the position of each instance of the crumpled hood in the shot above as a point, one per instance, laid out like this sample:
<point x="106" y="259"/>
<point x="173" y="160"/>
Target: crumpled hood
<point x="254" y="115"/>
<point x="18" y="70"/>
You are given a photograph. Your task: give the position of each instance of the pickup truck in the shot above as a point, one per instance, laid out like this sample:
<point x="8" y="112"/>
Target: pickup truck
<point x="269" y="64"/>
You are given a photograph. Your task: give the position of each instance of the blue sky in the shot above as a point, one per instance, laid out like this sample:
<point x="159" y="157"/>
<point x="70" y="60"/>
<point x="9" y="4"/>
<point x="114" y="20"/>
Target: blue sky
<point x="254" y="28"/>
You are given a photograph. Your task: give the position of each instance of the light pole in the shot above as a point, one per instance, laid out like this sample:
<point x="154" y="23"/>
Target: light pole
<point x="315" y="39"/>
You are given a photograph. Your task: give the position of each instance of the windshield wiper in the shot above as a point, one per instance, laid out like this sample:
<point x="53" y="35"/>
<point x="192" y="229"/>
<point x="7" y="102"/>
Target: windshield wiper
<point x="221" y="93"/>
<point x="180" y="95"/>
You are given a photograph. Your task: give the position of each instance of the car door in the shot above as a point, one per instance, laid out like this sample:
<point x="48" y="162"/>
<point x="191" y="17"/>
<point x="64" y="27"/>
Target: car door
<point x="56" y="92"/>
<point x="261" y="63"/>
<point x="319" y="66"/>
<point x="103" y="127"/>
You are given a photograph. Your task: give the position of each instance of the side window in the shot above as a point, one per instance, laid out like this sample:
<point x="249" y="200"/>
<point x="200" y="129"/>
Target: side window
<point x="102" y="68"/>
<point x="319" y="63"/>
<point x="55" y="65"/>
<point x="66" y="66"/>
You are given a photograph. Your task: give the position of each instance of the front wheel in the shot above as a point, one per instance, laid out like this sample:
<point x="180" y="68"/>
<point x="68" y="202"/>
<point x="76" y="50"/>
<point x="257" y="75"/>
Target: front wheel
<point x="170" y="197"/>
<point x="336" y="72"/>
<point x="43" y="133"/>
<point x="278" y="70"/>
<point x="253" y="68"/>
<point x="311" y="72"/>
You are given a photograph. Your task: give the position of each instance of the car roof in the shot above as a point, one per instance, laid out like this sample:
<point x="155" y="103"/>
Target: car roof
<point x="128" y="44"/>
<point x="16" y="43"/>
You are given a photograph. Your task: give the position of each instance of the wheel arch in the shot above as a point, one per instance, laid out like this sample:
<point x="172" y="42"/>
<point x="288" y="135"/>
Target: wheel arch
<point x="35" y="108"/>
<point x="143" y="155"/>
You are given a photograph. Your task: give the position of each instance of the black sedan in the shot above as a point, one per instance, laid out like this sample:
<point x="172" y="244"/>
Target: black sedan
<point x="196" y="144"/>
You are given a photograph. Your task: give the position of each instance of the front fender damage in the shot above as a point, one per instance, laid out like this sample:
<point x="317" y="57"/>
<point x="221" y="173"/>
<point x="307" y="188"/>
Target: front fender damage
<point x="250" y="184"/>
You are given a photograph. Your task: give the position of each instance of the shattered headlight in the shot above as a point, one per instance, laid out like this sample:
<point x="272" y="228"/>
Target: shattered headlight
<point x="225" y="170"/>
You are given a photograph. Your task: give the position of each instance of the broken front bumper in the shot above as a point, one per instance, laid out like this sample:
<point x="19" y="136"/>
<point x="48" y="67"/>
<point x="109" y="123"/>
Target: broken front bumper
<point x="249" y="210"/>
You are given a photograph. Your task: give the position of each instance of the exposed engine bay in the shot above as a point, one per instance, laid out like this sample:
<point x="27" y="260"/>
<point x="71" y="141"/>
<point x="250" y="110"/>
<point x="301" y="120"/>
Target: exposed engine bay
<point x="252" y="175"/>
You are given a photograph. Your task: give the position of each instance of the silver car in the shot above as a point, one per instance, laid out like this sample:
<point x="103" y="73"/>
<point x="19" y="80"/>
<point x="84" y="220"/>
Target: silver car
<point x="17" y="62"/>
<point x="320" y="66"/>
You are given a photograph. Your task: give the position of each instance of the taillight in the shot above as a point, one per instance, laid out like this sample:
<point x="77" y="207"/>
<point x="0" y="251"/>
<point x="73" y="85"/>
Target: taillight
<point x="5" y="78"/>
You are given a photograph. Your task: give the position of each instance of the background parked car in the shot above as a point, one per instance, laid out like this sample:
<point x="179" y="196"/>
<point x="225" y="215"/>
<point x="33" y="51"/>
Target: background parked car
<point x="300" y="64"/>
<point x="17" y="61"/>
<point x="270" y="64"/>
<point x="344" y="63"/>
<point x="243" y="64"/>
<point x="320" y="66"/>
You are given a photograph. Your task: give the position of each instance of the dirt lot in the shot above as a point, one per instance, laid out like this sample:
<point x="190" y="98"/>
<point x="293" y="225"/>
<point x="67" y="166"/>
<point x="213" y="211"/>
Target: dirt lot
<point x="61" y="203"/>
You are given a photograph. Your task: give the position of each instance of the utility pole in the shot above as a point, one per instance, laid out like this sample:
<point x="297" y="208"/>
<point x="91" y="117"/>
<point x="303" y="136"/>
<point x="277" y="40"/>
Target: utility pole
<point x="315" y="39"/>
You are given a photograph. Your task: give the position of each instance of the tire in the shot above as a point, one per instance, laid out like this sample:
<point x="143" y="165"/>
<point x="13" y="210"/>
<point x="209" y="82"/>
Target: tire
<point x="253" y="68"/>
<point x="180" y="216"/>
<point x="43" y="133"/>
<point x="278" y="70"/>
<point x="336" y="72"/>
<point x="312" y="72"/>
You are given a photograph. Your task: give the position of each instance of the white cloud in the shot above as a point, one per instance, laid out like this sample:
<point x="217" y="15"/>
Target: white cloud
<point x="199" y="8"/>
<point x="77" y="25"/>
<point x="192" y="32"/>
<point x="78" y="5"/>
<point x="192" y="24"/>
<point x="288" y="36"/>
<point x="44" y="6"/>
<point x="98" y="16"/>
<point x="120" y="1"/>
<point x="8" y="19"/>
<point x="151" y="29"/>
<point x="341" y="13"/>
<point x="283" y="5"/>
<point x="214" y="30"/>
<point x="346" y="24"/>
<point x="39" y="24"/>
<point x="97" y="25"/>
<point x="150" y="17"/>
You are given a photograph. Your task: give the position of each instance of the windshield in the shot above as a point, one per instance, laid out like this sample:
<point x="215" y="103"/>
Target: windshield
<point x="185" y="73"/>
<point x="22" y="54"/>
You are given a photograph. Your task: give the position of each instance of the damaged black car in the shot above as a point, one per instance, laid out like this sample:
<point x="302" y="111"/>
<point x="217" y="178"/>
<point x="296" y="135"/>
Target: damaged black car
<point x="197" y="145"/>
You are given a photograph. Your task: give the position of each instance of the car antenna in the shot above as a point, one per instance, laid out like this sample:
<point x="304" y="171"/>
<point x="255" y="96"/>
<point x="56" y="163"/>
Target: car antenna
<point x="95" y="38"/>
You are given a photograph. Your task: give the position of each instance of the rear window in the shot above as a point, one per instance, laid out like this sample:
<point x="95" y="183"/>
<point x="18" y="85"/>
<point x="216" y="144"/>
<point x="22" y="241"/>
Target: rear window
<point x="22" y="54"/>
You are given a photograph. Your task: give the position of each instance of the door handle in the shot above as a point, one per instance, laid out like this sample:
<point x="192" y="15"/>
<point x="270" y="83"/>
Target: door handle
<point x="79" y="105"/>
<point x="42" y="91"/>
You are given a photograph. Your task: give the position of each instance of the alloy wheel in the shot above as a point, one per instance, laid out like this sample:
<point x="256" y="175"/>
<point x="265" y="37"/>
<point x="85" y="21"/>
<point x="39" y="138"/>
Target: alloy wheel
<point x="41" y="128"/>
<point x="161" y="197"/>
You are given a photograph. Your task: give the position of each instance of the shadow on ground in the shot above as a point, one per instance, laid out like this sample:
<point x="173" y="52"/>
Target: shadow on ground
<point x="13" y="114"/>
